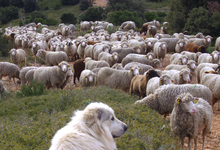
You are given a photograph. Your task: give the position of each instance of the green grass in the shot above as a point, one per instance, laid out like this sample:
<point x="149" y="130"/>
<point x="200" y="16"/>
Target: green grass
<point x="30" y="122"/>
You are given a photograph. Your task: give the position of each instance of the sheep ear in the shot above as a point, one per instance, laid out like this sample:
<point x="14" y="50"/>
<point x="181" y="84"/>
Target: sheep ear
<point x="196" y="100"/>
<point x="172" y="81"/>
<point x="178" y="101"/>
<point x="139" y="69"/>
<point x="161" y="81"/>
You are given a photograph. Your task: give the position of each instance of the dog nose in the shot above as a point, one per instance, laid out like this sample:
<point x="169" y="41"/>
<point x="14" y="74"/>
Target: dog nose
<point x="125" y="127"/>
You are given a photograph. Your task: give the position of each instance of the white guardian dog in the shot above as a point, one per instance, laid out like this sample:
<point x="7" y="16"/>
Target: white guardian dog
<point x="93" y="128"/>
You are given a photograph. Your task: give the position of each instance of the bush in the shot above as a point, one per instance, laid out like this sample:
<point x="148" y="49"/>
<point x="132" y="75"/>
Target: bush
<point x="93" y="14"/>
<point x="118" y="17"/>
<point x="37" y="14"/>
<point x="36" y="20"/>
<point x="8" y="13"/>
<point x="150" y="16"/>
<point x="57" y="6"/>
<point x="69" y="2"/>
<point x="35" y="90"/>
<point x="5" y="45"/>
<point x="85" y="4"/>
<point x="51" y="22"/>
<point x="68" y="18"/>
<point x="30" y="6"/>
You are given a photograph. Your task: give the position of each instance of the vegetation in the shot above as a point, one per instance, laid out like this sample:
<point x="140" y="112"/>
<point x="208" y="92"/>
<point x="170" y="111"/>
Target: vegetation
<point x="68" y="18"/>
<point x="30" y="122"/>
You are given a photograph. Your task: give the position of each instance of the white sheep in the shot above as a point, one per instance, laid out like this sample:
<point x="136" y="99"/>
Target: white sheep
<point x="117" y="66"/>
<point x="209" y="58"/>
<point x="87" y="78"/>
<point x="29" y="76"/>
<point x="135" y="43"/>
<point x="202" y="65"/>
<point x="52" y="76"/>
<point x="52" y="58"/>
<point x="206" y="41"/>
<point x="155" y="82"/>
<point x="70" y="49"/>
<point x="160" y="36"/>
<point x="91" y="64"/>
<point x="85" y="25"/>
<point x="180" y="46"/>
<point x="152" y="30"/>
<point x="23" y="72"/>
<point x="100" y="47"/>
<point x="150" y="43"/>
<point x="111" y="59"/>
<point x="191" y="64"/>
<point x="141" y="59"/>
<point x="9" y="69"/>
<point x="160" y="50"/>
<point x="81" y="49"/>
<point x="191" y="55"/>
<point x="18" y="56"/>
<point x="113" y="78"/>
<point x="178" y="59"/>
<point x="171" y="43"/>
<point x="217" y="44"/>
<point x="127" y="25"/>
<point x="143" y="67"/>
<point x="60" y="47"/>
<point x="164" y="97"/>
<point x="190" y="116"/>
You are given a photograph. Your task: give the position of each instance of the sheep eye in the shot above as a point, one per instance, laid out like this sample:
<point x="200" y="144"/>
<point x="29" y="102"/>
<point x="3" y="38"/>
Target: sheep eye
<point x="112" y="118"/>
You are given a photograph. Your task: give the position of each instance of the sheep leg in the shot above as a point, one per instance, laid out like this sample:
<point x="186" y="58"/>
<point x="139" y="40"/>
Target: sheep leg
<point x="189" y="143"/>
<point x="195" y="143"/>
<point x="203" y="140"/>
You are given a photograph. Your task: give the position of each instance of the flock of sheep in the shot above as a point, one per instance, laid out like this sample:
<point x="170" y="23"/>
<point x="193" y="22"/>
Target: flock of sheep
<point x="127" y="61"/>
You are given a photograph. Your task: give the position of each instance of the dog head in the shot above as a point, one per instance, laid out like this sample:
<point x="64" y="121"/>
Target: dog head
<point x="101" y="119"/>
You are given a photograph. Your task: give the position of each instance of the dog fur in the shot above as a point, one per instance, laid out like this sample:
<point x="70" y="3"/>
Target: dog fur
<point x="93" y="128"/>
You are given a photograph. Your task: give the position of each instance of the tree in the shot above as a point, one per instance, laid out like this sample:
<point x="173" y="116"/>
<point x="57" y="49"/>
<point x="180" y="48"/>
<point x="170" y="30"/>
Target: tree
<point x="93" y="14"/>
<point x="30" y="6"/>
<point x="68" y="18"/>
<point x="85" y="4"/>
<point x="8" y="13"/>
<point x="199" y="20"/>
<point x="69" y="2"/>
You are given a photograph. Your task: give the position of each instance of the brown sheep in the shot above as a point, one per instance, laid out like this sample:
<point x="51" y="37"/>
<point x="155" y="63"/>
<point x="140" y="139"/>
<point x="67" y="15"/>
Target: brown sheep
<point x="92" y="42"/>
<point x="78" y="67"/>
<point x="144" y="29"/>
<point x="139" y="83"/>
<point x="191" y="47"/>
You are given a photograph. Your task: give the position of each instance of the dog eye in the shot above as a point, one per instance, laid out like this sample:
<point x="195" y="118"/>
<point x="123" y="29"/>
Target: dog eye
<point x="112" y="118"/>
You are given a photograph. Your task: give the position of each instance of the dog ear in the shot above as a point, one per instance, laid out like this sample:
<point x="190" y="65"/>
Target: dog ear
<point x="89" y="117"/>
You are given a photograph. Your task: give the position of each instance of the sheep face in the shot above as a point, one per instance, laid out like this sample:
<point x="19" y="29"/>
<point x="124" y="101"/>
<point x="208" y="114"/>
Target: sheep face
<point x="135" y="70"/>
<point x="13" y="52"/>
<point x="69" y="43"/>
<point x="215" y="55"/>
<point x="137" y="49"/>
<point x="184" y="59"/>
<point x="192" y="66"/>
<point x="69" y="72"/>
<point x="83" y="44"/>
<point x="186" y="103"/>
<point x="166" y="80"/>
<point x="186" y="76"/>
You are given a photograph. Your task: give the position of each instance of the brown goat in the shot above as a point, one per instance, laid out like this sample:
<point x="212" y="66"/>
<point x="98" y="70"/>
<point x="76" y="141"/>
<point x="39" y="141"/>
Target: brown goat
<point x="191" y="47"/>
<point x="144" y="29"/>
<point x="139" y="83"/>
<point x="78" y="67"/>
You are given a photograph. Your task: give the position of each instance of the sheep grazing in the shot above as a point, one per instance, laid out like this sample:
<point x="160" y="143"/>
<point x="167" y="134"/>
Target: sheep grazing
<point x="141" y="59"/>
<point x="52" y="58"/>
<point x="160" y="50"/>
<point x="69" y="74"/>
<point x="120" y="79"/>
<point x="9" y="69"/>
<point x="152" y="30"/>
<point x="178" y="59"/>
<point x="23" y="72"/>
<point x="164" y="97"/>
<point x="111" y="59"/>
<point x="78" y="66"/>
<point x="192" y="47"/>
<point x="139" y="83"/>
<point x="155" y="82"/>
<point x="122" y="52"/>
<point x="87" y="78"/>
<point x="52" y="76"/>
<point x="18" y="56"/>
<point x="209" y="58"/>
<point x="91" y="64"/>
<point x="143" y="67"/>
<point x="201" y="66"/>
<point x="144" y="29"/>
<point x="191" y="115"/>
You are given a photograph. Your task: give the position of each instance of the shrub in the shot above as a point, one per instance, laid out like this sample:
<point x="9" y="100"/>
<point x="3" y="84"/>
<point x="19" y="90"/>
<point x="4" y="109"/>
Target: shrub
<point x="150" y="16"/>
<point x="57" y="6"/>
<point x="8" y="13"/>
<point x="85" y="4"/>
<point x="35" y="90"/>
<point x="5" y="46"/>
<point x="93" y="14"/>
<point x="36" y="20"/>
<point x="37" y="14"/>
<point x="69" y="2"/>
<point x="68" y="18"/>
<point x="118" y="17"/>
<point x="30" y="6"/>
<point x="50" y="22"/>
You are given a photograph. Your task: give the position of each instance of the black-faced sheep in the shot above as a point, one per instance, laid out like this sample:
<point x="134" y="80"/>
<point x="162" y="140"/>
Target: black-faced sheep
<point x="190" y="116"/>
<point x="139" y="83"/>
